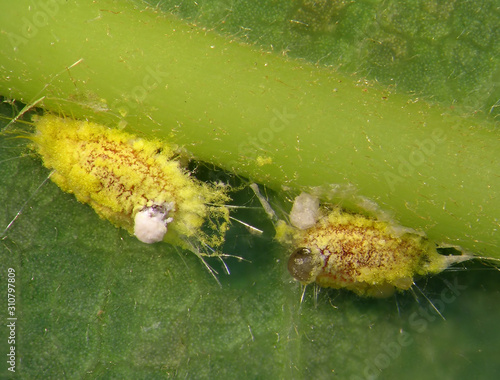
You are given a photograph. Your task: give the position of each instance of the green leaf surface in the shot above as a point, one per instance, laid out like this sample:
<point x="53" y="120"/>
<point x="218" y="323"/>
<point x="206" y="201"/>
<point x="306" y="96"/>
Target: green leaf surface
<point x="93" y="302"/>
<point x="443" y="51"/>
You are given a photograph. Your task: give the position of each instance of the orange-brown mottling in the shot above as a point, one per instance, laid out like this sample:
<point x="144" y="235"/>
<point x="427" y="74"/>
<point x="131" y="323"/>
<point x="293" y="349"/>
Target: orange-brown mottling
<point x="118" y="174"/>
<point x="361" y="254"/>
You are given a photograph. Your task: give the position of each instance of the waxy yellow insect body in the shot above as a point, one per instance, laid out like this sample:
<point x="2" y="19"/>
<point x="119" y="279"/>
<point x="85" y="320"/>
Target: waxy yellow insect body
<point x="366" y="256"/>
<point x="136" y="184"/>
<point x="337" y="249"/>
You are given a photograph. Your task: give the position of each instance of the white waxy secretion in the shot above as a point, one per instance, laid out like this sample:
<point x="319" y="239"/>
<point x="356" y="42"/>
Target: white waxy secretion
<point x="305" y="211"/>
<point x="150" y="224"/>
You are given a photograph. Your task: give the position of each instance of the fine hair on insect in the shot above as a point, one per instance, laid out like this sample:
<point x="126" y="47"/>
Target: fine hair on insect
<point x="333" y="248"/>
<point x="137" y="184"/>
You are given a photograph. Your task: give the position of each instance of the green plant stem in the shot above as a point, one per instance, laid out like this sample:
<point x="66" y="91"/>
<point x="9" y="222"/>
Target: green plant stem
<point x="276" y="121"/>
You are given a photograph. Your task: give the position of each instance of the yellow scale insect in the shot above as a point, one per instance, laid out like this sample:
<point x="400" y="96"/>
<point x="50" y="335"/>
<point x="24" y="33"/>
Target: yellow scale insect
<point x="136" y="184"/>
<point x="337" y="249"/>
